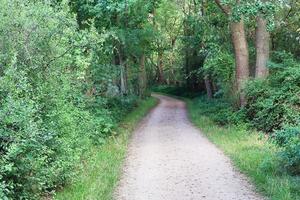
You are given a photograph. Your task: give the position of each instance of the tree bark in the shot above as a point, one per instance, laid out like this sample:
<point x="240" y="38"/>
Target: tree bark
<point x="161" y="78"/>
<point x="241" y="58"/>
<point x="208" y="86"/>
<point x="142" y="77"/>
<point x="262" y="44"/>
<point x="240" y="50"/>
<point x="123" y="79"/>
<point x="118" y="60"/>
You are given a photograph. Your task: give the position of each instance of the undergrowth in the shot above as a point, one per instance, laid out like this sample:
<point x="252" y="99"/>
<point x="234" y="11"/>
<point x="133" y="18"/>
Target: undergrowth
<point x="99" y="171"/>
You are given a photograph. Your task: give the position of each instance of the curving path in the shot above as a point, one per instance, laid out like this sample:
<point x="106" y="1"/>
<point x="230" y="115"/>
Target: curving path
<point x="169" y="159"/>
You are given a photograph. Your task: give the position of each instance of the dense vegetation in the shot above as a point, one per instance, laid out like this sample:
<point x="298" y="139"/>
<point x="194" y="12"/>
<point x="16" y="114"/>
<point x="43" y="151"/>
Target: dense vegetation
<point x="71" y="70"/>
<point x="60" y="91"/>
<point x="100" y="173"/>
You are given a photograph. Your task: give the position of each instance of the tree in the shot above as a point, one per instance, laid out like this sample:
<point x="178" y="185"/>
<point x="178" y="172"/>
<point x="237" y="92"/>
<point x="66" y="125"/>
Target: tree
<point x="262" y="45"/>
<point x="240" y="49"/>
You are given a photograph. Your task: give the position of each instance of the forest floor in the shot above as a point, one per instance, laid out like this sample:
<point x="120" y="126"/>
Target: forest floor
<point x="168" y="158"/>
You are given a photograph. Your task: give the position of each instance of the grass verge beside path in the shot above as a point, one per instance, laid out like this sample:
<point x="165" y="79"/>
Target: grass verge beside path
<point x="102" y="169"/>
<point x="250" y="153"/>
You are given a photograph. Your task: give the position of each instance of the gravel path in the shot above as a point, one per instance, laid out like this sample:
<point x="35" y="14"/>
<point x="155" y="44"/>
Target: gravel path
<point x="169" y="159"/>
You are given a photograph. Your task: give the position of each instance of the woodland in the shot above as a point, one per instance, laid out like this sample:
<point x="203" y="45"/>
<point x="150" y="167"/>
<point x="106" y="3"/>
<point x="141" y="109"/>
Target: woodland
<point x="72" y="70"/>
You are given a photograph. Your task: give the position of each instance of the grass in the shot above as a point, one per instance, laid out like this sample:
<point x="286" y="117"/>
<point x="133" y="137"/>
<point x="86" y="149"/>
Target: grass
<point x="102" y="168"/>
<point x="250" y="152"/>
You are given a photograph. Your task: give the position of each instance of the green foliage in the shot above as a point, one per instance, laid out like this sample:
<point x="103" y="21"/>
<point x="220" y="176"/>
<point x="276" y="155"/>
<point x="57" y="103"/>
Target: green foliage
<point x="120" y="106"/>
<point x="273" y="107"/>
<point x="284" y="136"/>
<point x="102" y="168"/>
<point x="287" y="32"/>
<point x="69" y="72"/>
<point x="249" y="9"/>
<point x="220" y="111"/>
<point x="219" y="66"/>
<point x="274" y="102"/>
<point x="54" y="92"/>
<point x="288" y="139"/>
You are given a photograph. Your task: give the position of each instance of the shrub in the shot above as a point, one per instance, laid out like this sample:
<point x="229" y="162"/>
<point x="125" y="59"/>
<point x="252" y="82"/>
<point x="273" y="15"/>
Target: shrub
<point x="121" y="105"/>
<point x="288" y="139"/>
<point x="268" y="108"/>
<point x="273" y="106"/>
<point x="274" y="102"/>
<point x="220" y="111"/>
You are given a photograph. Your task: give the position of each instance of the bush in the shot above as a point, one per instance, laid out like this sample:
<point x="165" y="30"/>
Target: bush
<point x="220" y="111"/>
<point x="268" y="108"/>
<point x="274" y="102"/>
<point x="288" y="139"/>
<point x="121" y="105"/>
<point x="273" y="106"/>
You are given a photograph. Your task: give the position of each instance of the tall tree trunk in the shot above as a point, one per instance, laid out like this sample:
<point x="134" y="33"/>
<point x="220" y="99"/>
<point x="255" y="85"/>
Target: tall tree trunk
<point x="161" y="78"/>
<point x="262" y="44"/>
<point x="142" y="77"/>
<point x="241" y="58"/>
<point x="208" y="86"/>
<point x="240" y="50"/>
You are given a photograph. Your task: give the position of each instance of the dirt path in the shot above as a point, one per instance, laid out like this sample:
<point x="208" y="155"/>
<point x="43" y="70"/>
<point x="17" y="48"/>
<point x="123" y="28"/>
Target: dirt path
<point x="169" y="159"/>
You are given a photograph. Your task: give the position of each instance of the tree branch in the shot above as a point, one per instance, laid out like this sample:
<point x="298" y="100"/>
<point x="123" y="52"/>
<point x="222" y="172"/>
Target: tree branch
<point x="225" y="9"/>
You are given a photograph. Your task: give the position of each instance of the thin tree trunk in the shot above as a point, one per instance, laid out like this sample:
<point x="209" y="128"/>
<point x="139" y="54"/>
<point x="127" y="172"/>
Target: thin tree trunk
<point x="208" y="86"/>
<point x="123" y="75"/>
<point x="241" y="58"/>
<point x="161" y="78"/>
<point x="262" y="44"/>
<point x="116" y="63"/>
<point x="171" y="75"/>
<point x="142" y="77"/>
<point x="123" y="80"/>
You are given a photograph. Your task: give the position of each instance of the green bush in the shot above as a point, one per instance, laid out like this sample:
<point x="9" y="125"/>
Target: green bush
<point x="269" y="108"/>
<point x="273" y="106"/>
<point x="288" y="139"/>
<point x="119" y="106"/>
<point x="274" y="102"/>
<point x="220" y="111"/>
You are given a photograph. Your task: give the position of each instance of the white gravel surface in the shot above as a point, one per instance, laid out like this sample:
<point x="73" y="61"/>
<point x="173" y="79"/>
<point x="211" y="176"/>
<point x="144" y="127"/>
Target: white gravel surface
<point x="169" y="159"/>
